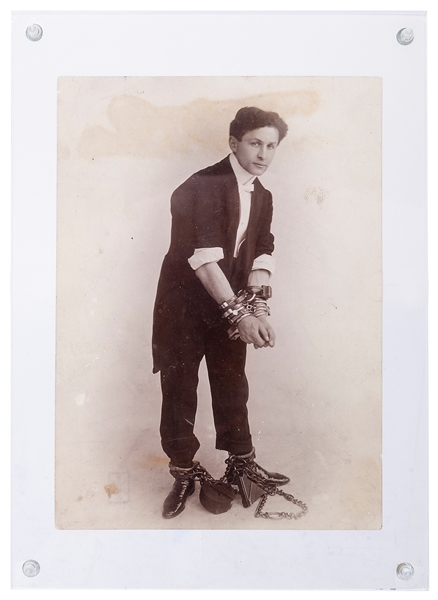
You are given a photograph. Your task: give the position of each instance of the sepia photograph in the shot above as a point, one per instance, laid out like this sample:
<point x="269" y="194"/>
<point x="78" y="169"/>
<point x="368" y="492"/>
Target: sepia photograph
<point x="219" y="303"/>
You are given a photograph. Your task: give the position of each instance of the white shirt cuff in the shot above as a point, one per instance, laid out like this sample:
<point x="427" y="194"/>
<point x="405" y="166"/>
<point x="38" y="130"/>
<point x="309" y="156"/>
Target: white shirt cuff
<point x="265" y="261"/>
<point x="203" y="256"/>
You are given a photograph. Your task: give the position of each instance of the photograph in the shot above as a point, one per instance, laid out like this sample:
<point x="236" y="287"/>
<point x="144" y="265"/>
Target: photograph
<point x="219" y="303"/>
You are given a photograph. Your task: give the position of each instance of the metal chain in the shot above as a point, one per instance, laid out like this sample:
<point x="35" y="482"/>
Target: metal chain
<point x="228" y="476"/>
<point x="201" y="474"/>
<point x="276" y="514"/>
<point x="270" y="490"/>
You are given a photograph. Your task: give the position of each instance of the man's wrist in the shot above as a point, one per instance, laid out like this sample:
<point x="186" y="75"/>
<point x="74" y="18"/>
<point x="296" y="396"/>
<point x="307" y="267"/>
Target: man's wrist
<point x="261" y="291"/>
<point x="235" y="309"/>
<point x="258" y="300"/>
<point x="251" y="301"/>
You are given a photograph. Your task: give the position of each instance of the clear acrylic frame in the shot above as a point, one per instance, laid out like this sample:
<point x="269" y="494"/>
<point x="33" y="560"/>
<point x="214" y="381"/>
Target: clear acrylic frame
<point x="337" y="44"/>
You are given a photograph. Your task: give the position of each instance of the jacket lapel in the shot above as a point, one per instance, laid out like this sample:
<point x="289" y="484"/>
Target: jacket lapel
<point x="233" y="206"/>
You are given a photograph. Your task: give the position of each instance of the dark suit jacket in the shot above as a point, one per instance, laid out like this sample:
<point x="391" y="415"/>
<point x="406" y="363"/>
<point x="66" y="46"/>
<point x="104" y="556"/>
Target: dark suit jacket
<point x="205" y="214"/>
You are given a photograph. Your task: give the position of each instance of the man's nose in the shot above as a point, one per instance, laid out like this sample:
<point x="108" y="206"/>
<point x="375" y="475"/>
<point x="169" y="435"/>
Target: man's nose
<point x="262" y="152"/>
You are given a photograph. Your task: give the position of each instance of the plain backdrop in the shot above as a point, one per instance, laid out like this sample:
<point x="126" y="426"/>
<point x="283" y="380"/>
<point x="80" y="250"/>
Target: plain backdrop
<point x="124" y="144"/>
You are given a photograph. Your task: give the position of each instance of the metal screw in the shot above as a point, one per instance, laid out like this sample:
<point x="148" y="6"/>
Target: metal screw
<point x="405" y="36"/>
<point x="405" y="571"/>
<point x="34" y="33"/>
<point x="31" y="568"/>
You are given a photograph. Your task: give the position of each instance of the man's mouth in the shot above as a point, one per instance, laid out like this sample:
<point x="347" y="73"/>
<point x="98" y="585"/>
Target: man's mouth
<point x="259" y="165"/>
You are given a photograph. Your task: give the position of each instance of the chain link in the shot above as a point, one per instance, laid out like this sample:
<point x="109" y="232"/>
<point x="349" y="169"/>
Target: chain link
<point x="276" y="514"/>
<point x="201" y="474"/>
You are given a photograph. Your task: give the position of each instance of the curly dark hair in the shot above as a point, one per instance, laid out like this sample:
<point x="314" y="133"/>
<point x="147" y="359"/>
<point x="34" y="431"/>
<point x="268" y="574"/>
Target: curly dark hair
<point x="251" y="117"/>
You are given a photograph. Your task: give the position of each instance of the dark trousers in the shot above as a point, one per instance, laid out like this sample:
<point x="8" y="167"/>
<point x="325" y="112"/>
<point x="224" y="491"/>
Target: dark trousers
<point x="229" y="391"/>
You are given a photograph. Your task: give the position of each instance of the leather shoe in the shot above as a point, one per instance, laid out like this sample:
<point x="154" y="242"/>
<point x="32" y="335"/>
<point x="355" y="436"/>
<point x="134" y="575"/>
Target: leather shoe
<point x="246" y="463"/>
<point x="183" y="487"/>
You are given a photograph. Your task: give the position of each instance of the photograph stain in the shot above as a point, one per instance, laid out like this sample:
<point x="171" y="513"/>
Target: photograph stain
<point x="111" y="490"/>
<point x="315" y="192"/>
<point x="143" y="130"/>
<point x="157" y="461"/>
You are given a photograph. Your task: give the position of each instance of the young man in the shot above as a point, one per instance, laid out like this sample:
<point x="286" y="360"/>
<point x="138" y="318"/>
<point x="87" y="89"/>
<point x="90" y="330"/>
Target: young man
<point x="221" y="243"/>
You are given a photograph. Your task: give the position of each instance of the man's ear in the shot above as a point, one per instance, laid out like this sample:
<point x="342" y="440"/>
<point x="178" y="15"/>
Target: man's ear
<point x="232" y="143"/>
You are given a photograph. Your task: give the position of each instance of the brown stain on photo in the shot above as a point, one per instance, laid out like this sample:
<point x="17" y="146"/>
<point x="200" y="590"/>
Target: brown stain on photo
<point x="141" y="129"/>
<point x="315" y="192"/>
<point x="111" y="489"/>
<point x="157" y="461"/>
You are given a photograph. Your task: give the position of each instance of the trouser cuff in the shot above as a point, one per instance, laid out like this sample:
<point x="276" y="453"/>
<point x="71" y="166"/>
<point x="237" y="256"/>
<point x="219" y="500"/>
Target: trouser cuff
<point x="234" y="447"/>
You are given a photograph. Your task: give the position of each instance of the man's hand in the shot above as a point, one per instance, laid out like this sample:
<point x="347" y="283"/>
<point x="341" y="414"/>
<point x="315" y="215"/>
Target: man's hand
<point x="257" y="331"/>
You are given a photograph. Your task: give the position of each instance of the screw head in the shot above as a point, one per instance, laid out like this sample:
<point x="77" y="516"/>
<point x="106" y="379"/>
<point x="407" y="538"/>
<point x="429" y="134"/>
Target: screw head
<point x="405" y="571"/>
<point x="405" y="36"/>
<point x="34" y="32"/>
<point x="31" y="568"/>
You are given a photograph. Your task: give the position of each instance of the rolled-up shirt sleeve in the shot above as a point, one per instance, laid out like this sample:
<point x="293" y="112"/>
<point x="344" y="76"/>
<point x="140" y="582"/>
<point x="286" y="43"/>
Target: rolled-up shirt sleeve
<point x="202" y="256"/>
<point x="265" y="261"/>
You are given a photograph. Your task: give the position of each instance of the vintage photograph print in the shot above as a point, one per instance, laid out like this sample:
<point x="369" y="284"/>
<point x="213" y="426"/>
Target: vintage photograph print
<point x="219" y="303"/>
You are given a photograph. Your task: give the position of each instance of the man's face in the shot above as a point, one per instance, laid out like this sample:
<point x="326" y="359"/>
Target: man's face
<point x="256" y="149"/>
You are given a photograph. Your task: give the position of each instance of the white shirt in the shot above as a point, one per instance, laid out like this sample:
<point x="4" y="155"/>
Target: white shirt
<point x="245" y="183"/>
